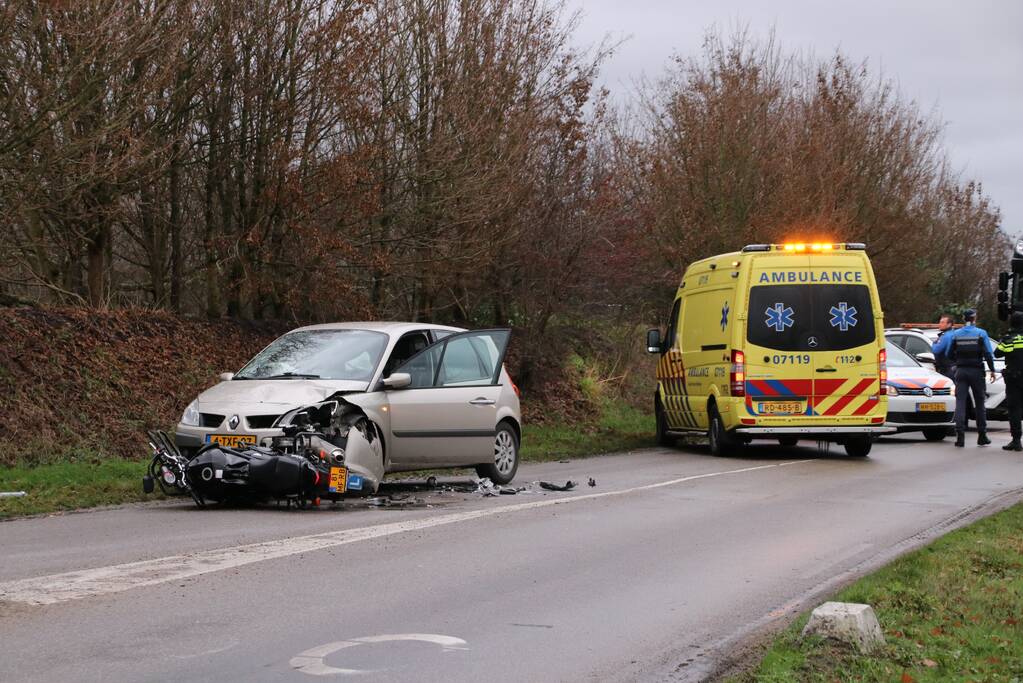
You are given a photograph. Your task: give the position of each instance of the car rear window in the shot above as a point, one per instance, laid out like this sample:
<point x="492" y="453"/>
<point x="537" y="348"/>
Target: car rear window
<point x="810" y="317"/>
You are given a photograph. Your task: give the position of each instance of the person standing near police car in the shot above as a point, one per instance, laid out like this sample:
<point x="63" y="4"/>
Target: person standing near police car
<point x="941" y="362"/>
<point x="969" y="348"/>
<point x="1011" y="348"/>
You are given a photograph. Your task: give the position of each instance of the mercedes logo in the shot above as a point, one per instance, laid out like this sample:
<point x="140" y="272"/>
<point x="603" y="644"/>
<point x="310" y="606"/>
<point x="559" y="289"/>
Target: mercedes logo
<point x="812" y="342"/>
<point x="928" y="392"/>
<point x="233" y="422"/>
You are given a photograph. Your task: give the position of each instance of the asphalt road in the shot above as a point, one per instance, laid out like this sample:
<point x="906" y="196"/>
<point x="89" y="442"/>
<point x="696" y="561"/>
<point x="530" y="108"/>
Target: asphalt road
<point x="658" y="572"/>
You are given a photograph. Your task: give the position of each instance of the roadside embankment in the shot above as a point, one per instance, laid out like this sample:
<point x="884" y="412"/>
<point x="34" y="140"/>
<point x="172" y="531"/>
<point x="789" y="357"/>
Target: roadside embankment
<point x="952" y="610"/>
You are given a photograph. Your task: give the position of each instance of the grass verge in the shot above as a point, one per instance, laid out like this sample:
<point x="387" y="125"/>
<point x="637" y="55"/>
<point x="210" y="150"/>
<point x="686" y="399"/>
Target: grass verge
<point x="620" y="427"/>
<point x="71" y="485"/>
<point x="109" y="481"/>
<point x="952" y="611"/>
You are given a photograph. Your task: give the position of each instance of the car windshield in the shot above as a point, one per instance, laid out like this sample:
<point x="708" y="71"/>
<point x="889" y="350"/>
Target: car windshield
<point x="897" y="358"/>
<point x="319" y="354"/>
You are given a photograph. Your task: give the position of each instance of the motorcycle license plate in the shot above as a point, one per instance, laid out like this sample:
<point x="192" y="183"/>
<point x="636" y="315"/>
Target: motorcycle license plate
<point x="338" y="480"/>
<point x="780" y="407"/>
<point x="231" y="440"/>
<point x="930" y="407"/>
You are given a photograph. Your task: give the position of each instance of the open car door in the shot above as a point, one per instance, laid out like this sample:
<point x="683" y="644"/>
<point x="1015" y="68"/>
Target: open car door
<point x="448" y="414"/>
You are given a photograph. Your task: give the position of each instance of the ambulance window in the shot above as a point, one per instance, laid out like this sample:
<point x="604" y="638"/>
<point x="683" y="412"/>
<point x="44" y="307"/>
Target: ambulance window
<point x="810" y="317"/>
<point x="672" y="334"/>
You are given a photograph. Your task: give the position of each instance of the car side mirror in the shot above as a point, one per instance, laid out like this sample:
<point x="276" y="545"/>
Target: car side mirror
<point x="226" y="376"/>
<point x="925" y="357"/>
<point x="653" y="341"/>
<point x="398" y="380"/>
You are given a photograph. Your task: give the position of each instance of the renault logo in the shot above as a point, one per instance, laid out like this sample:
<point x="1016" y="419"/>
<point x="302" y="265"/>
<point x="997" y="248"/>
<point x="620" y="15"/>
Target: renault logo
<point x="233" y="422"/>
<point x="928" y="392"/>
<point x="812" y="342"/>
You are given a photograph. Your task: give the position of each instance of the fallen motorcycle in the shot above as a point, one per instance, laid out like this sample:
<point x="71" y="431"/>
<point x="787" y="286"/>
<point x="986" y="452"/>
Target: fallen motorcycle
<point x="308" y="463"/>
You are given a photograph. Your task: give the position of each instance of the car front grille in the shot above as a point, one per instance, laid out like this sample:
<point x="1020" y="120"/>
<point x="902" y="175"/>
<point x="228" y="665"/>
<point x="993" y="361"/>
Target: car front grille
<point x="920" y="392"/>
<point x="210" y="419"/>
<point x="920" y="418"/>
<point x="261" y="421"/>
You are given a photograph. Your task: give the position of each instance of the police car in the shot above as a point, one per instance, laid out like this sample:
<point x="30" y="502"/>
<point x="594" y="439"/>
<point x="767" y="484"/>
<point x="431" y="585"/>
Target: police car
<point x="919" y="399"/>
<point x="917" y="343"/>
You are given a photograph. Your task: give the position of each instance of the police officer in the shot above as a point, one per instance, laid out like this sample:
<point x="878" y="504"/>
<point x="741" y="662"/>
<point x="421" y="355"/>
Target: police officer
<point x="969" y="348"/>
<point x="941" y="362"/>
<point x="1012" y="349"/>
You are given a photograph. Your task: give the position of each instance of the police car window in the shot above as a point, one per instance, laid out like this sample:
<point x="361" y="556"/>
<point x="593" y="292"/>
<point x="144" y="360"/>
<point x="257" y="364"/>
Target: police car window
<point x="897" y="358"/>
<point x="915" y="345"/>
<point x="810" y="317"/>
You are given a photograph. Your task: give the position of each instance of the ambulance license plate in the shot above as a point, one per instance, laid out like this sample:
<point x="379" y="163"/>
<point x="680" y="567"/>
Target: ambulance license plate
<point x="338" y="479"/>
<point x="231" y="440"/>
<point x="780" y="407"/>
<point x="930" y="407"/>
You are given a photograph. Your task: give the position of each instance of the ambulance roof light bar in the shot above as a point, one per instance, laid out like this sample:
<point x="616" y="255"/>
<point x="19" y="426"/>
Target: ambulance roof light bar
<point x="804" y="247"/>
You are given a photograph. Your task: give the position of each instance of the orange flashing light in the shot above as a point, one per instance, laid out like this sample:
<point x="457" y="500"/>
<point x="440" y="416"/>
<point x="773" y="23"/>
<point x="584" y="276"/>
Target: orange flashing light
<point x="801" y="247"/>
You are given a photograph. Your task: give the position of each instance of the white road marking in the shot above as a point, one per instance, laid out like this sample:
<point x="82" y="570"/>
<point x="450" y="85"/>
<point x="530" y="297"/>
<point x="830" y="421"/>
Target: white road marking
<point x="56" y="588"/>
<point x="312" y="661"/>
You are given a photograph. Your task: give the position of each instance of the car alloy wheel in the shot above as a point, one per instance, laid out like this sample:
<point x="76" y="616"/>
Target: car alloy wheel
<point x="504" y="452"/>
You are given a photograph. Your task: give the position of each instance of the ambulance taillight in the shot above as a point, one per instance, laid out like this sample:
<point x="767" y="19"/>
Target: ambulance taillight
<point x="737" y="377"/>
<point x="882" y="370"/>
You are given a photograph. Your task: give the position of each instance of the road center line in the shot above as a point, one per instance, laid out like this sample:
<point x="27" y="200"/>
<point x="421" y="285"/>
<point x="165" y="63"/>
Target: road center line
<point x="56" y="588"/>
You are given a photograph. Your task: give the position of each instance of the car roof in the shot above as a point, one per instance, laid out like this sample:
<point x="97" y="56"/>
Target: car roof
<point x="392" y="328"/>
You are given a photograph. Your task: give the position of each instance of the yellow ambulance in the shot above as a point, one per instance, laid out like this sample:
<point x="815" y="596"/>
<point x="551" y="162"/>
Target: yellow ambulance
<point x="777" y="341"/>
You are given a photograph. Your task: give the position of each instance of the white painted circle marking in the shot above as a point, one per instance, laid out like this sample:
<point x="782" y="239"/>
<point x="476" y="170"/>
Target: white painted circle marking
<point x="312" y="661"/>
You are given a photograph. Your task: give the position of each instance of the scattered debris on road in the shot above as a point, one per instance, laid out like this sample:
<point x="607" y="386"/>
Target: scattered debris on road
<point x="569" y="485"/>
<point x="485" y="487"/>
<point x="396" y="500"/>
<point x="592" y="482"/>
<point x="12" y="494"/>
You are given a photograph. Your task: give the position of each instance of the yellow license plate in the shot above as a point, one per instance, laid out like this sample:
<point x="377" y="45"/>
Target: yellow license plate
<point x="338" y="480"/>
<point x="930" y="407"/>
<point x="780" y="408"/>
<point x="231" y="440"/>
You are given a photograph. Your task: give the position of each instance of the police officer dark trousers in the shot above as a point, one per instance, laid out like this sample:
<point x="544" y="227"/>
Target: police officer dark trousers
<point x="1011" y="348"/>
<point x="969" y="349"/>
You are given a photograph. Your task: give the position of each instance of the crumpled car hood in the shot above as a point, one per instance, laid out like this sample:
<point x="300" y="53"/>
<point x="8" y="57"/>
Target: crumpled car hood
<point x="272" y="394"/>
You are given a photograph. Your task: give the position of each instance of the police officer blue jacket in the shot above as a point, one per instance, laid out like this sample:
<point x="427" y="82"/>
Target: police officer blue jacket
<point x="971" y="351"/>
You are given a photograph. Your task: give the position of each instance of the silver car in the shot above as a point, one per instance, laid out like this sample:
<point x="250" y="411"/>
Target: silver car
<point x="422" y="396"/>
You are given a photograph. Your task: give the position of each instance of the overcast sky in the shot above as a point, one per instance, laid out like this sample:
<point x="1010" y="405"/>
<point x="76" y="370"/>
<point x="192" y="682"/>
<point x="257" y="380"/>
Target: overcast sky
<point x="964" y="60"/>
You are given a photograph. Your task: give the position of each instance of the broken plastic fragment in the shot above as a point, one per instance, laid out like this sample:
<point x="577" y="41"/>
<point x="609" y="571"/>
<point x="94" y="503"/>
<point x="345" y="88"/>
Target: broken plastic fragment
<point x="485" y="487"/>
<point x="592" y="482"/>
<point x="569" y="485"/>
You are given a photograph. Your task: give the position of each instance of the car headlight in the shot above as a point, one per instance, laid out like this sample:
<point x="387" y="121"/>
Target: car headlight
<point x="892" y="391"/>
<point x="952" y="390"/>
<point x="191" y="415"/>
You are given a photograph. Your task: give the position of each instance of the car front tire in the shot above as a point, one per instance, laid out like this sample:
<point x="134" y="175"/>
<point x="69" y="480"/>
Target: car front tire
<point x="501" y="470"/>
<point x="935" y="433"/>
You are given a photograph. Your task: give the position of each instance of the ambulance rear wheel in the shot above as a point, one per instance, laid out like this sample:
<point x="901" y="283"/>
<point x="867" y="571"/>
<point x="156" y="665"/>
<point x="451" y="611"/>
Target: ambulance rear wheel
<point x="858" y="446"/>
<point x="788" y="441"/>
<point x="663" y="437"/>
<point x="721" y="442"/>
